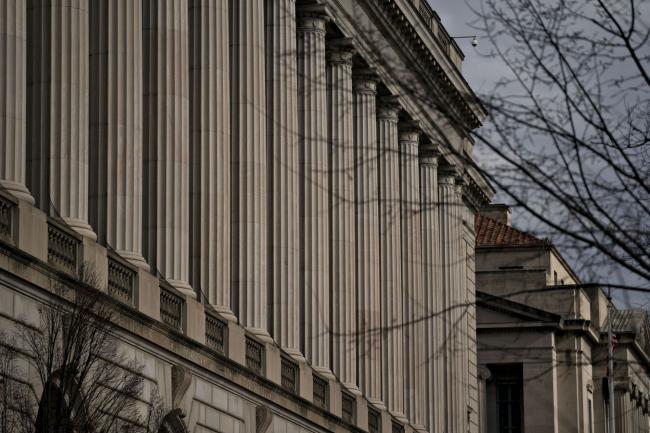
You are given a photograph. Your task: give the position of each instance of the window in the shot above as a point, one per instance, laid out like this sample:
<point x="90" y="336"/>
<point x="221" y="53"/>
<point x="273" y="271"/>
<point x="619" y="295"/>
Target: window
<point x="289" y="372"/>
<point x="397" y="427"/>
<point x="321" y="392"/>
<point x="591" y="416"/>
<point x="555" y="278"/>
<point x="374" y="422"/>
<point x="254" y="355"/>
<point x="508" y="385"/>
<point x="347" y="407"/>
<point x="215" y="331"/>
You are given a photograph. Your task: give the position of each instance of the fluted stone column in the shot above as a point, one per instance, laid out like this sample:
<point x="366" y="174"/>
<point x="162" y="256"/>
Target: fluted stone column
<point x="341" y="208"/>
<point x="462" y="300"/>
<point x="283" y="166"/>
<point x="116" y="126"/>
<point x="414" y="299"/>
<point x="249" y="165"/>
<point x="13" y="98"/>
<point x="312" y="125"/>
<point x="57" y="122"/>
<point x="209" y="118"/>
<point x="367" y="225"/>
<point x="431" y="281"/>
<point x="166" y="140"/>
<point x="390" y="247"/>
<point x="449" y="242"/>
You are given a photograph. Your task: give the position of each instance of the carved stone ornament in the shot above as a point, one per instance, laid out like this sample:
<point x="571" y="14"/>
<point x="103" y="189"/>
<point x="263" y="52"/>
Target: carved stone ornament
<point x="263" y="417"/>
<point x="181" y="379"/>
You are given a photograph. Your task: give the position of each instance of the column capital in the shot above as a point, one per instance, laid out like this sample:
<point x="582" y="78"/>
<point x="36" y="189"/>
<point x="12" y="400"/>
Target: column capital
<point x="429" y="154"/>
<point x="312" y="18"/>
<point x="447" y="175"/>
<point x="340" y="51"/>
<point x="365" y="81"/>
<point x="409" y="132"/>
<point x="388" y="108"/>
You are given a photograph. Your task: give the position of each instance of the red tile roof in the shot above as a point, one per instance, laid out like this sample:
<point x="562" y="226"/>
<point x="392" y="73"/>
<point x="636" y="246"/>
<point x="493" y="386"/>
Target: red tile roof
<point x="491" y="233"/>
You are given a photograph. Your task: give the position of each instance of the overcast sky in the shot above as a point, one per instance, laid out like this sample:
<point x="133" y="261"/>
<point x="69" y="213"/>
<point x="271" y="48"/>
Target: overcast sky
<point x="480" y="71"/>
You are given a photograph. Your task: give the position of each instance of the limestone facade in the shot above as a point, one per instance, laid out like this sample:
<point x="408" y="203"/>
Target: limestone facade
<point x="252" y="178"/>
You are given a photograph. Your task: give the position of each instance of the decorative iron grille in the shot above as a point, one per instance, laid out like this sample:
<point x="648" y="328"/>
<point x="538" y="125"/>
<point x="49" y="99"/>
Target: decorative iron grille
<point x="289" y="375"/>
<point x="121" y="281"/>
<point x="254" y="355"/>
<point x="374" y="422"/>
<point x="347" y="407"/>
<point x="321" y="394"/>
<point x="215" y="331"/>
<point x="62" y="249"/>
<point x="6" y="218"/>
<point x="171" y="308"/>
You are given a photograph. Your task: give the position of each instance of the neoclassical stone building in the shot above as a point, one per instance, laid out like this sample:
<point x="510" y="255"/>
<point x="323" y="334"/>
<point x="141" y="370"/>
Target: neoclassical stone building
<point x="278" y="194"/>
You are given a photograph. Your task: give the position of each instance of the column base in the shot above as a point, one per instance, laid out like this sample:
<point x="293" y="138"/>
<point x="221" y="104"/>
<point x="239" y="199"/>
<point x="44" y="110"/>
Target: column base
<point x="419" y="428"/>
<point x="183" y="287"/>
<point x="135" y="259"/>
<point x="295" y="354"/>
<point x="261" y="334"/>
<point x="224" y="312"/>
<point x="324" y="371"/>
<point x="399" y="416"/>
<point x="81" y="227"/>
<point x="18" y="190"/>
<point x="377" y="404"/>
<point x="352" y="388"/>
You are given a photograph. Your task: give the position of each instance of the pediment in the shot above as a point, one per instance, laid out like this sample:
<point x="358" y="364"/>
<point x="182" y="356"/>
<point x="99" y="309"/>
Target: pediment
<point x="494" y="310"/>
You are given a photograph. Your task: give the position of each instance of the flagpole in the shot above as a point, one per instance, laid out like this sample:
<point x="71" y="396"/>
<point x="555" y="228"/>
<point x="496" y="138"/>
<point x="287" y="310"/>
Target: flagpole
<point x="610" y="360"/>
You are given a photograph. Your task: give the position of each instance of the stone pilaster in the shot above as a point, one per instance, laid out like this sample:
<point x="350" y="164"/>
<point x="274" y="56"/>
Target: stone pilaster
<point x="434" y="299"/>
<point x="367" y="225"/>
<point x="249" y="165"/>
<point x="390" y="252"/>
<point x="450" y="229"/>
<point x="57" y="123"/>
<point x="283" y="166"/>
<point x="166" y="140"/>
<point x="209" y="116"/>
<point x="341" y="212"/>
<point x="13" y="99"/>
<point x="414" y="300"/>
<point x="116" y="126"/>
<point x="312" y="127"/>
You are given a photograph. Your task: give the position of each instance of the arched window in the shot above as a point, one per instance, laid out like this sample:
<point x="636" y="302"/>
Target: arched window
<point x="61" y="406"/>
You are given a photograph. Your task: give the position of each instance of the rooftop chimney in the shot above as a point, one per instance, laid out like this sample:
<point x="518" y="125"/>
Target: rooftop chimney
<point x="499" y="212"/>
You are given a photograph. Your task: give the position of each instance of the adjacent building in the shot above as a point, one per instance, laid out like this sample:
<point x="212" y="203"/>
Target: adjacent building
<point x="277" y="193"/>
<point x="542" y="340"/>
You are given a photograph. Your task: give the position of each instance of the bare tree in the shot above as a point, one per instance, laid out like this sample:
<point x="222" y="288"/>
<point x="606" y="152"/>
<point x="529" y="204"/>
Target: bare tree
<point x="83" y="381"/>
<point x="569" y="127"/>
